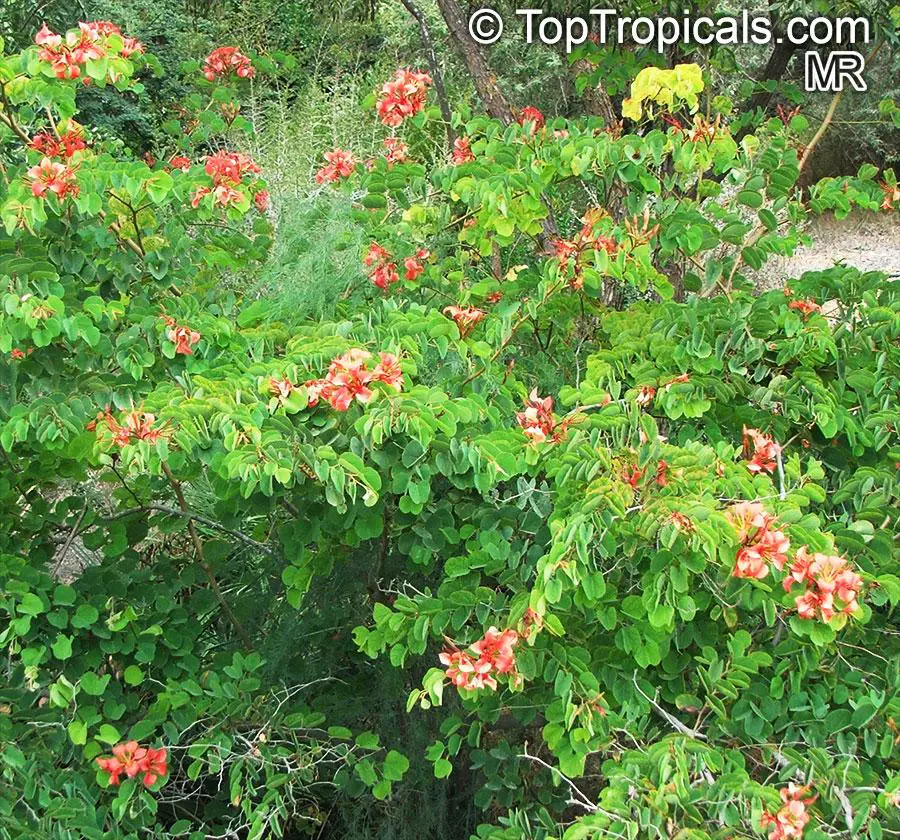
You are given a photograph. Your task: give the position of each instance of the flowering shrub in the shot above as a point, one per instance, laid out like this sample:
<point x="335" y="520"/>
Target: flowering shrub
<point x="681" y="511"/>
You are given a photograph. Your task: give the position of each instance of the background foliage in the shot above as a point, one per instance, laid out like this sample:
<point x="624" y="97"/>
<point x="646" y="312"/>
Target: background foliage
<point x="198" y="554"/>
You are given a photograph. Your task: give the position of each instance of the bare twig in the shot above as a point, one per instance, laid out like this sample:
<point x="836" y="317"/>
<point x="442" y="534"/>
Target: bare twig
<point x="201" y="558"/>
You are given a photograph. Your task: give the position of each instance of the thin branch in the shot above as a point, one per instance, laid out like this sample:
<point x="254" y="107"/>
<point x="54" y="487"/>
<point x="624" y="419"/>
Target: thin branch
<point x="69" y="540"/>
<point x="201" y="558"/>
<point x="582" y="798"/>
<point x="196" y="517"/>
<point x="667" y="716"/>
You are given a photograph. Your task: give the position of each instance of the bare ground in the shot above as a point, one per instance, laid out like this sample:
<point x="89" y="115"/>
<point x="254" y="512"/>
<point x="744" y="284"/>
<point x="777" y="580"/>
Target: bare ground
<point x="866" y="241"/>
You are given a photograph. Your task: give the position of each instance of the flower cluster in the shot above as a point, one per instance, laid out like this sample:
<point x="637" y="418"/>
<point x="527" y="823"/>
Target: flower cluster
<point x="52" y="176"/>
<point x="891" y="195"/>
<point x="538" y="421"/>
<point x="705" y="130"/>
<point x="826" y="577"/>
<point x="136" y="425"/>
<point x="134" y="760"/>
<point x="790" y="820"/>
<point x="281" y="389"/>
<point x="227" y="170"/>
<point x="414" y="265"/>
<point x="68" y="55"/>
<point x="760" y="541"/>
<point x="224" y="60"/>
<point x="402" y="96"/>
<point x="395" y="150"/>
<point x="180" y="162"/>
<point x="568" y="252"/>
<point x="262" y="199"/>
<point x="805" y="307"/>
<point x="631" y="476"/>
<point x="465" y="317"/>
<point x="645" y="395"/>
<point x="349" y="377"/>
<point x="531" y="115"/>
<point x="473" y="669"/>
<point x="183" y="337"/>
<point x="65" y="145"/>
<point x="760" y="450"/>
<point x="462" y="151"/>
<point x="339" y="164"/>
<point x="384" y="269"/>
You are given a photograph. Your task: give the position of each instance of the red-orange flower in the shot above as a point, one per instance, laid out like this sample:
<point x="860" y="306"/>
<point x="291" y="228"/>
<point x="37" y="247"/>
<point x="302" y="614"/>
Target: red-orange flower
<point x="760" y="542"/>
<point x="224" y="60"/>
<point x="662" y="473"/>
<point x="136" y="425"/>
<point x="348" y="379"/>
<point x="827" y="577"/>
<point x="66" y="56"/>
<point x="134" y="760"/>
<point x="645" y="395"/>
<point x="385" y="275"/>
<point x="632" y="475"/>
<point x="281" y="388"/>
<point x="805" y="307"/>
<point x="791" y="819"/>
<point x="497" y="648"/>
<point x="384" y="269"/>
<point x="414" y="265"/>
<point x="891" y="195"/>
<point x="466" y="317"/>
<point x="388" y="371"/>
<point x="462" y="151"/>
<point x="261" y="200"/>
<point x="395" y="150"/>
<point x="493" y="654"/>
<point x="66" y="144"/>
<point x="530" y="114"/>
<point x="52" y="176"/>
<point x="537" y="420"/>
<point x="761" y="451"/>
<point x="226" y="167"/>
<point x="402" y="96"/>
<point x="339" y="164"/>
<point x="183" y="337"/>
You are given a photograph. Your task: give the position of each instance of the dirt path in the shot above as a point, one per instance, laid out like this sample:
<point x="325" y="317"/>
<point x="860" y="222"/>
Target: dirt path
<point x="867" y="242"/>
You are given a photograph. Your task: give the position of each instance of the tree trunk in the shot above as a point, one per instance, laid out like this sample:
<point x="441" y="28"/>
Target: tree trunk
<point x="774" y="70"/>
<point x="596" y="100"/>
<point x="436" y="75"/>
<point x="495" y="103"/>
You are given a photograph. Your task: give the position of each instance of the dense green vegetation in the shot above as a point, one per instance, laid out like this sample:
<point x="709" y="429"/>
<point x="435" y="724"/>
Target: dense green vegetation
<point x="395" y="441"/>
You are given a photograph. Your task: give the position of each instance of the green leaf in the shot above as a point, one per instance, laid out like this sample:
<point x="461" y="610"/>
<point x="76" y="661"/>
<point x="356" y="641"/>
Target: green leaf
<point x="442" y="768"/>
<point x="31" y="605"/>
<point x="92" y="684"/>
<point x="395" y="766"/>
<point x="62" y="647"/>
<point x="108" y="734"/>
<point x="85" y="616"/>
<point x="367" y="741"/>
<point x="77" y="730"/>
